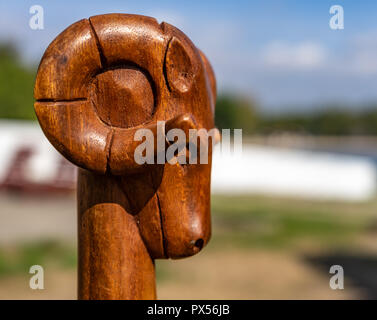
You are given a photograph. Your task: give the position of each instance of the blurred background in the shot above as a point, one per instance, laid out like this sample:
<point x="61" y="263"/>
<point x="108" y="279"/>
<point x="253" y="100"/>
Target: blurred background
<point x="302" y="196"/>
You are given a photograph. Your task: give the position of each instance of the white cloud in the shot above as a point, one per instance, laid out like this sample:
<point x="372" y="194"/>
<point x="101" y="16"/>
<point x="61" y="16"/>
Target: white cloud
<point x="301" y="56"/>
<point x="364" y="54"/>
<point x="365" y="63"/>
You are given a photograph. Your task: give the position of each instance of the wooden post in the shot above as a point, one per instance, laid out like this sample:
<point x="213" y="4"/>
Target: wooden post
<point x="100" y="81"/>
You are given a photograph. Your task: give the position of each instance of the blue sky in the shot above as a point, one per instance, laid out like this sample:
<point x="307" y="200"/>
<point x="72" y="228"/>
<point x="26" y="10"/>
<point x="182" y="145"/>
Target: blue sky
<point x="281" y="53"/>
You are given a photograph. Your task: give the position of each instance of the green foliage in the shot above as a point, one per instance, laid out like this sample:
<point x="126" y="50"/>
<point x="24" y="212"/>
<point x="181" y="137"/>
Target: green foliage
<point x="53" y="253"/>
<point x="331" y="121"/>
<point x="369" y="121"/>
<point x="251" y="221"/>
<point x="234" y="112"/>
<point x="16" y="86"/>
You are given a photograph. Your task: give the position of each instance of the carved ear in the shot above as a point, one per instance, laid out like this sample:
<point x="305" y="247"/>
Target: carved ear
<point x="211" y="77"/>
<point x="179" y="66"/>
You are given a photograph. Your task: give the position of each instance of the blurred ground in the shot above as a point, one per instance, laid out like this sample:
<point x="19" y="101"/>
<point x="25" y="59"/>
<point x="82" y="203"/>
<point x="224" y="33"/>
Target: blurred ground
<point x="31" y="218"/>
<point x="261" y="248"/>
<point x="253" y="274"/>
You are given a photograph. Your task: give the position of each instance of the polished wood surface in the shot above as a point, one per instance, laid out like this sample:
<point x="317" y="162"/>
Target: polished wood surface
<point x="98" y="82"/>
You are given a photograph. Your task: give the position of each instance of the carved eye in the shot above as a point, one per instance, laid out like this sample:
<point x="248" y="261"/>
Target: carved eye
<point x="178" y="67"/>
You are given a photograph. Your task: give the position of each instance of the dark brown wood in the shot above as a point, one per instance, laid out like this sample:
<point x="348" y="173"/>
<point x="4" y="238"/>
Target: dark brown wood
<point x="98" y="82"/>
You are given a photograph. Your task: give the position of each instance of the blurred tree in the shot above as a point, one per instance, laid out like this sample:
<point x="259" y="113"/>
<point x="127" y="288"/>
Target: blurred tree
<point x="333" y="122"/>
<point x="16" y="86"/>
<point x="328" y="121"/>
<point x="238" y="112"/>
<point x="234" y="112"/>
<point x="369" y="121"/>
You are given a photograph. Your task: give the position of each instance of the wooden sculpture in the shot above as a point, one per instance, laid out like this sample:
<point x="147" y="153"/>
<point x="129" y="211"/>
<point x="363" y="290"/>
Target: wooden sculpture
<point x="98" y="82"/>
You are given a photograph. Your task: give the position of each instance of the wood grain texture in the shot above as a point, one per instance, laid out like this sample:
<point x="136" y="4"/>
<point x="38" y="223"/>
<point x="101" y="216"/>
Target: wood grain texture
<point x="68" y="64"/>
<point x="98" y="82"/>
<point x="117" y="93"/>
<point x="114" y="261"/>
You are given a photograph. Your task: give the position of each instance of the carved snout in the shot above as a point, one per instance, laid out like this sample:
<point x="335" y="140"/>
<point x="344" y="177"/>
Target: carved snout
<point x="122" y="157"/>
<point x="184" y="200"/>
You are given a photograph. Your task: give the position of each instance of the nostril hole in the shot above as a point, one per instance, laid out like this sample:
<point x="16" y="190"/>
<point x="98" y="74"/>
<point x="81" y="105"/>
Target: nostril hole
<point x="199" y="243"/>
